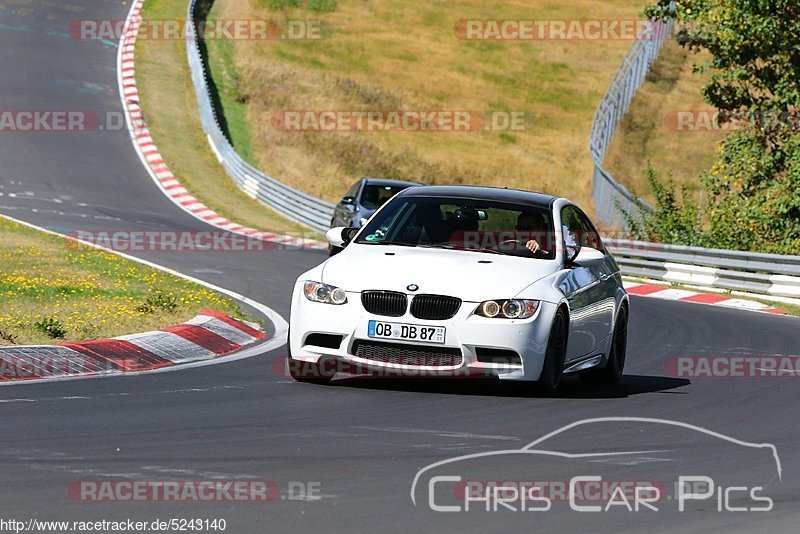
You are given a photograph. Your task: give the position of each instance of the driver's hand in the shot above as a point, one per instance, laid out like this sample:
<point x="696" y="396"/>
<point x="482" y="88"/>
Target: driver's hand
<point x="533" y="246"/>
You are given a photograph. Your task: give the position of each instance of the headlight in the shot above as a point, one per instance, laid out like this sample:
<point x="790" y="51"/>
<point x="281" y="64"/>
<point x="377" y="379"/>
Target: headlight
<point x="318" y="292"/>
<point x="508" y="309"/>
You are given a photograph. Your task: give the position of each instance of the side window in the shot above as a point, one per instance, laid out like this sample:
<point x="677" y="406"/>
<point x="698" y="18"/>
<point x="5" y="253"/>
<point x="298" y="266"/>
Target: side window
<point x="589" y="236"/>
<point x="578" y="230"/>
<point x="571" y="227"/>
<point x="353" y="191"/>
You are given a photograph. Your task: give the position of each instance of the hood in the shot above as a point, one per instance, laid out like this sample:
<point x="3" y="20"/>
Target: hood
<point x="471" y="276"/>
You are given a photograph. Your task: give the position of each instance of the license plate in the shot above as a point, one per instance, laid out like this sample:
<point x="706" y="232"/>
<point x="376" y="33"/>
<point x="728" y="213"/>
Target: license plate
<point x="409" y="332"/>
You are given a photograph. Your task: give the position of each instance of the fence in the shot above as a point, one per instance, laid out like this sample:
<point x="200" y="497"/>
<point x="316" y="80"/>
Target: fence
<point x="609" y="196"/>
<point x="766" y="274"/>
<point x="292" y="204"/>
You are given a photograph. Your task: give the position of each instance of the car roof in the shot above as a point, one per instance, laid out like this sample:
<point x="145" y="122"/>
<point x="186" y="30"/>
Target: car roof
<point x="387" y="181"/>
<point x="499" y="194"/>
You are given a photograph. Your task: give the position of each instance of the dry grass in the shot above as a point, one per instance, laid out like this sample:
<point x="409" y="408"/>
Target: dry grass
<point x="390" y="54"/>
<point x="644" y="135"/>
<point x="170" y="105"/>
<point x="89" y="293"/>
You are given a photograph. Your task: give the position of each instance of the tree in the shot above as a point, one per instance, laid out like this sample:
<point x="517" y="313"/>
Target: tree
<point x="754" y="187"/>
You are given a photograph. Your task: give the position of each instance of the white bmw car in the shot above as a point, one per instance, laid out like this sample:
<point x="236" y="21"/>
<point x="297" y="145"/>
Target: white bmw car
<point x="456" y="281"/>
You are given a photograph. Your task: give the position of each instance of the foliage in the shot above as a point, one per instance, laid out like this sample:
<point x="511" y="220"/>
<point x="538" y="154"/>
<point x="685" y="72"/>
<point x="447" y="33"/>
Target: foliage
<point x="319" y="6"/>
<point x="159" y="301"/>
<point x="51" y="327"/>
<point x="753" y="200"/>
<point x="674" y="218"/>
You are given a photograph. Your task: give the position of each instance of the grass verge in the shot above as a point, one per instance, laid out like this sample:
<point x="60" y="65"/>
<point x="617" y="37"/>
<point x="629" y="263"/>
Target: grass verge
<point x="168" y="99"/>
<point x="648" y="132"/>
<point x="400" y="55"/>
<point x="53" y="289"/>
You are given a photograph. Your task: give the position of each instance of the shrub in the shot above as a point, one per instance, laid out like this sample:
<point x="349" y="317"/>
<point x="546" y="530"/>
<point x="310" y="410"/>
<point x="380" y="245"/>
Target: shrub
<point x="158" y="301"/>
<point x="51" y="327"/>
<point x="322" y="6"/>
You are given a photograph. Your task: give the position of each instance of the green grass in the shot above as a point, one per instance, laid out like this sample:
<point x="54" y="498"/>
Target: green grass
<point x="643" y="137"/>
<point x="228" y="85"/>
<point x="52" y="289"/>
<point x="170" y="105"/>
<point x="407" y="54"/>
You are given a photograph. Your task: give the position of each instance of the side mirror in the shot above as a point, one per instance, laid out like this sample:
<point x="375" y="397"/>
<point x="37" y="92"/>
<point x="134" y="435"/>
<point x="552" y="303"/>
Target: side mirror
<point x="587" y="256"/>
<point x="349" y="200"/>
<point x="340" y="236"/>
<point x="571" y="252"/>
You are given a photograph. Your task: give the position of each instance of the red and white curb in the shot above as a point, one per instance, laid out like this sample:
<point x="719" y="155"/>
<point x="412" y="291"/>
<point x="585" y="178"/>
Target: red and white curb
<point x="208" y="336"/>
<point x="151" y="157"/>
<point x="668" y="293"/>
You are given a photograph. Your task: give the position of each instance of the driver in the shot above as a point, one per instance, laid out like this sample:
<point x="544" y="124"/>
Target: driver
<point x="532" y="225"/>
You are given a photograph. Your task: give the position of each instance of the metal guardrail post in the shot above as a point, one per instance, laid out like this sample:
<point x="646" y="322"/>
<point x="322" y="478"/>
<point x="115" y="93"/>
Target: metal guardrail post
<point x="608" y="194"/>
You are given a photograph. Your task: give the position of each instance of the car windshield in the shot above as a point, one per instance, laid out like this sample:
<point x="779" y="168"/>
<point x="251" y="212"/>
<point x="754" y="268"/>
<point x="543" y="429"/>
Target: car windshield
<point x="470" y="225"/>
<point x="374" y="196"/>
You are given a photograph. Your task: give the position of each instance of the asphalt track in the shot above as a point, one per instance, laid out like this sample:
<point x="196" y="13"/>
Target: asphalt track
<point x="363" y="441"/>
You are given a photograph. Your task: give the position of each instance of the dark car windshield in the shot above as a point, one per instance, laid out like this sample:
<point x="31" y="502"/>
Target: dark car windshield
<point x="374" y="196"/>
<point x="464" y="224"/>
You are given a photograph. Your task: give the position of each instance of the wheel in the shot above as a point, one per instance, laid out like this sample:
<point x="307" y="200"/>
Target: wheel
<point x="312" y="373"/>
<point x="554" y="357"/>
<point x="611" y="373"/>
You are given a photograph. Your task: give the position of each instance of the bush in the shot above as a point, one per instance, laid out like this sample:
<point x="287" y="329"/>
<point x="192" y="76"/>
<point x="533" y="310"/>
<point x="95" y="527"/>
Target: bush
<point x="318" y="6"/>
<point x="277" y="5"/>
<point x="674" y="218"/>
<point x="51" y="327"/>
<point x="158" y="301"/>
<point x="322" y="6"/>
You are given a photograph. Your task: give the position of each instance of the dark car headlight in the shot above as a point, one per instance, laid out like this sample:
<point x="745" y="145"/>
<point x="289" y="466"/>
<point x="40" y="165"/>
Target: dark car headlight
<point x="508" y="309"/>
<point x="324" y="293"/>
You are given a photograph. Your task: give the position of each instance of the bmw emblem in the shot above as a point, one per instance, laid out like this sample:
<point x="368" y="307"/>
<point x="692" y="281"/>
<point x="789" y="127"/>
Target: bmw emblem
<point x="412" y="287"/>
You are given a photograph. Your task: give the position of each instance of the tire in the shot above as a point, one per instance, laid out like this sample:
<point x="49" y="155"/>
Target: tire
<point x="612" y="372"/>
<point x="311" y="373"/>
<point x="554" y="357"/>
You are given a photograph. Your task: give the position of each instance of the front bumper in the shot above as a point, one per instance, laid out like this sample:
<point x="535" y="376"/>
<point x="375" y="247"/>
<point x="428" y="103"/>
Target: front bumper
<point x="466" y="332"/>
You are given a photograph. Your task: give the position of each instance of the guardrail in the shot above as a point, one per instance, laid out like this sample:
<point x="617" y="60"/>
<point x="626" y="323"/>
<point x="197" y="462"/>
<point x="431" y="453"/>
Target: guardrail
<point x="765" y="274"/>
<point x="609" y="196"/>
<point x="291" y="203"/>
